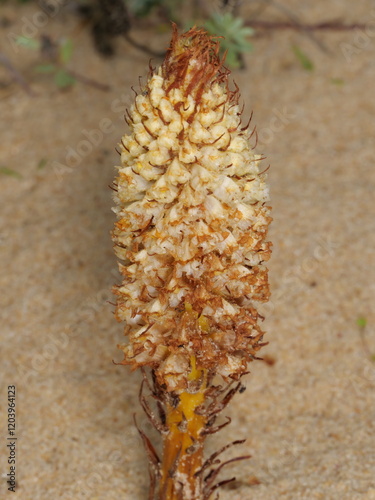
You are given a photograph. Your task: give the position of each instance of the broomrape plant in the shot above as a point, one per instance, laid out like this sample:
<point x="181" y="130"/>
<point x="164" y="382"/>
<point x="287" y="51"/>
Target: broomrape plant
<point x="191" y="232"/>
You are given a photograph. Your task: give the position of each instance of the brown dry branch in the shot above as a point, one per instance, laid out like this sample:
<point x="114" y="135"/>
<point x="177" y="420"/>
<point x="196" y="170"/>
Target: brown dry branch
<point x="89" y="81"/>
<point x="333" y="25"/>
<point x="4" y="60"/>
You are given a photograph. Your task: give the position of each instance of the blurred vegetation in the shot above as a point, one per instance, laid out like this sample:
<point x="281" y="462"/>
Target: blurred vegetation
<point x="108" y="19"/>
<point x="56" y="57"/>
<point x="235" y="34"/>
<point x="138" y="21"/>
<point x="222" y="21"/>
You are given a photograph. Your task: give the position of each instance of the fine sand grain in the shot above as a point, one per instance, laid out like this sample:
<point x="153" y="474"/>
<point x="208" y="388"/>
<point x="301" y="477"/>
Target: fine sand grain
<point x="309" y="418"/>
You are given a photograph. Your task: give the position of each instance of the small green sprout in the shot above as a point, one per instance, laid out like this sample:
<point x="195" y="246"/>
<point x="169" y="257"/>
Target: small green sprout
<point x="361" y="322"/>
<point x="10" y="172"/>
<point x="305" y="61"/>
<point x="66" y="51"/>
<point x="337" y="81"/>
<point x="41" y="164"/>
<point x="63" y="79"/>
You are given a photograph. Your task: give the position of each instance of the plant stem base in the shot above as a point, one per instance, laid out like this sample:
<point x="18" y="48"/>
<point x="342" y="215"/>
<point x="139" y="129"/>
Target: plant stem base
<point x="183" y="449"/>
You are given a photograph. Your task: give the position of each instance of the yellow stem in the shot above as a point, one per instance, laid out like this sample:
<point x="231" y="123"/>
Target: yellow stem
<point x="183" y="445"/>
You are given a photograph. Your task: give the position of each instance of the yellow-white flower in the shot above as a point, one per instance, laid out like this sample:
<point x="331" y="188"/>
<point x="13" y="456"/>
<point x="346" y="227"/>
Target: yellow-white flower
<point x="192" y="222"/>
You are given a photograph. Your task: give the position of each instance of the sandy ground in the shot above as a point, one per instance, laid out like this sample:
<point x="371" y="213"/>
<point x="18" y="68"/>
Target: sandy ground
<point x="309" y="419"/>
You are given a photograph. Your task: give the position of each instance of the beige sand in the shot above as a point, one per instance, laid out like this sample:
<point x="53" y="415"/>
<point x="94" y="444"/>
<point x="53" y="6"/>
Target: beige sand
<point x="309" y="418"/>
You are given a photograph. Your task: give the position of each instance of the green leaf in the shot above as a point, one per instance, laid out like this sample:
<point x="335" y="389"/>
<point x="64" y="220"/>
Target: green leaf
<point x="372" y="357"/>
<point x="41" y="164"/>
<point x="45" y="68"/>
<point x="235" y="36"/>
<point x="303" y="58"/>
<point x="10" y="172"/>
<point x="361" y="322"/>
<point x="64" y="79"/>
<point x="66" y="51"/>
<point x="337" y="81"/>
<point x="232" y="59"/>
<point x="30" y="43"/>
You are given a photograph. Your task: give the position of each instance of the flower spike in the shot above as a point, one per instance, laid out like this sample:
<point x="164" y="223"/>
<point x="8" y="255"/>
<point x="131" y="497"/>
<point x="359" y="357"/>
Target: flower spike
<point x="192" y="221"/>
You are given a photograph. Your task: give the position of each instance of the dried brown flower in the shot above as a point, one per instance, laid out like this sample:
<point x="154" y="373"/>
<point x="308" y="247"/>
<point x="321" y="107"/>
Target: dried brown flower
<point x="191" y="231"/>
